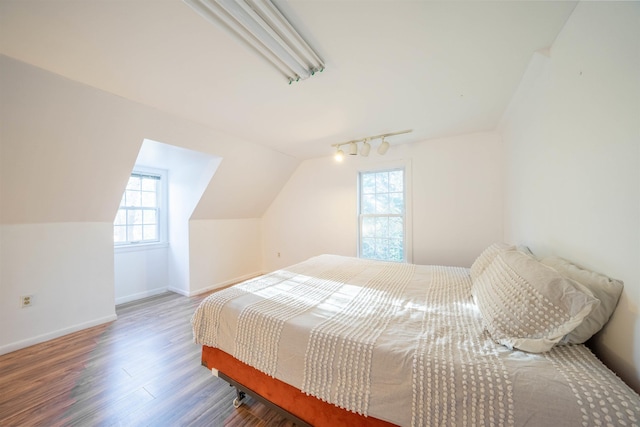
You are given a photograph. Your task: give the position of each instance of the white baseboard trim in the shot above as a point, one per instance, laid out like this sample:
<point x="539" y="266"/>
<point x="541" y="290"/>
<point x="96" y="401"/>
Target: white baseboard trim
<point x="219" y="285"/>
<point x="8" y="348"/>
<point x="140" y="295"/>
<point x="179" y="291"/>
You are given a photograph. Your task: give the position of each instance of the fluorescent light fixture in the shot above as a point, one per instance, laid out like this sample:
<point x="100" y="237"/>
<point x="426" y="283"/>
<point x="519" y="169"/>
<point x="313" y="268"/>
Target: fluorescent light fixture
<point x="263" y="27"/>
<point x="366" y="147"/>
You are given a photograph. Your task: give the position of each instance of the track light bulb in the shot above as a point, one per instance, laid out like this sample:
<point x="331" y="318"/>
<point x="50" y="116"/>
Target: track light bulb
<point x="366" y="147"/>
<point x="383" y="147"/>
<point x="353" y="149"/>
<point x="339" y="155"/>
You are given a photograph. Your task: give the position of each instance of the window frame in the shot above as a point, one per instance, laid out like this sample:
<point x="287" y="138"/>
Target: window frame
<point x="405" y="166"/>
<point x="161" y="209"/>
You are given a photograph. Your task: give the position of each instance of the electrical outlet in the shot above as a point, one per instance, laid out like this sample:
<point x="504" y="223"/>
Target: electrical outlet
<point x="26" y="301"/>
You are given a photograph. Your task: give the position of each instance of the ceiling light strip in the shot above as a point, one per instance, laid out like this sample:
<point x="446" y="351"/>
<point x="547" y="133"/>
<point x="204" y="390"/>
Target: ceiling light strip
<point x="263" y="31"/>
<point x="263" y="27"/>
<point x="216" y="14"/>
<point x="270" y="13"/>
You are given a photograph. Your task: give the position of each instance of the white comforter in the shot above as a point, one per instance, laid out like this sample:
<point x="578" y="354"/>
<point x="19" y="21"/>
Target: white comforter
<point x="404" y="343"/>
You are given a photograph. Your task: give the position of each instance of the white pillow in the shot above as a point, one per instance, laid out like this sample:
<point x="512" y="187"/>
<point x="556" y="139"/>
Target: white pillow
<point x="527" y="305"/>
<point x="604" y="288"/>
<point x="486" y="256"/>
<point x="524" y="249"/>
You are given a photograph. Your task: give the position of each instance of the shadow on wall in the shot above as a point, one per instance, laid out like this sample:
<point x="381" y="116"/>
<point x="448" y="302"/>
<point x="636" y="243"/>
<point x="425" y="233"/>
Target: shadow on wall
<point x="627" y="343"/>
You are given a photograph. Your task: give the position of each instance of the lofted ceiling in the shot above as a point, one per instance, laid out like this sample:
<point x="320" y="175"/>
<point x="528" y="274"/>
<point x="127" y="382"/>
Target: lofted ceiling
<point x="437" y="67"/>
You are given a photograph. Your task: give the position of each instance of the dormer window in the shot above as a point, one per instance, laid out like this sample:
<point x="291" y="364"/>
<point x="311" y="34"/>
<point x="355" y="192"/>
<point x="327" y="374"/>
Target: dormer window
<point x="140" y="214"/>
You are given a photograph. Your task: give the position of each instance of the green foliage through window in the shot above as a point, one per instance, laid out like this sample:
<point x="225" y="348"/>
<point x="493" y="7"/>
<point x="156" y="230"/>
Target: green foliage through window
<point x="382" y="215"/>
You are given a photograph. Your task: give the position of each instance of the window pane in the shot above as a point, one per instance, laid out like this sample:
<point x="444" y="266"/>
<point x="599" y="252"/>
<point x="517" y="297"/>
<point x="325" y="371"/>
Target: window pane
<point x="395" y="228"/>
<point x="148" y="199"/>
<point x="135" y="233"/>
<point x="396" y="203"/>
<point x="368" y="183"/>
<point x="382" y="182"/>
<point x="368" y="205"/>
<point x="149" y="217"/>
<point x="382" y="203"/>
<point x="368" y="227"/>
<point x="396" y="181"/>
<point x="382" y="227"/>
<point x="381" y="251"/>
<point x="132" y="198"/>
<point x="121" y="217"/>
<point x="396" y="250"/>
<point x="150" y="232"/>
<point x="368" y="247"/>
<point x="134" y="183"/>
<point x="134" y="216"/>
<point x="149" y="184"/>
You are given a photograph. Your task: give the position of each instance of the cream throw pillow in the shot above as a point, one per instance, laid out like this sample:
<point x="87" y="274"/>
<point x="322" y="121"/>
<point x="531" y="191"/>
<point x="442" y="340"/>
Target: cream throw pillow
<point x="486" y="256"/>
<point x="527" y="305"/>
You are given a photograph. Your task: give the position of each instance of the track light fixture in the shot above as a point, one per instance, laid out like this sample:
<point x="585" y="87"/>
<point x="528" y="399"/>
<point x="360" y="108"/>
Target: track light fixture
<point x="366" y="146"/>
<point x="383" y="147"/>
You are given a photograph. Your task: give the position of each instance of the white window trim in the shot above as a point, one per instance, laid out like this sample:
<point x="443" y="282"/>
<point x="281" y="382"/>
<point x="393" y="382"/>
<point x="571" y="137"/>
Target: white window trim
<point x="163" y="204"/>
<point x="408" y="216"/>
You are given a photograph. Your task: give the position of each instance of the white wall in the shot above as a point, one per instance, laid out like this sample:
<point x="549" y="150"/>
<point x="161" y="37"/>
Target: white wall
<point x="55" y="130"/>
<point x="140" y="272"/>
<point x="67" y="267"/>
<point x="66" y="153"/>
<point x="188" y="175"/>
<point x="572" y="137"/>
<point x="223" y="252"/>
<point x="456" y="198"/>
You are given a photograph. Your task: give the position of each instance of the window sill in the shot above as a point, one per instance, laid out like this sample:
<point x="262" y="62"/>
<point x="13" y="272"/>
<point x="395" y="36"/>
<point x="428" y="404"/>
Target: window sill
<point x="140" y="247"/>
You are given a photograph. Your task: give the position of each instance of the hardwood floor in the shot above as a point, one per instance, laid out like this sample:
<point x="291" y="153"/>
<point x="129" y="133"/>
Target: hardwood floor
<point x="141" y="370"/>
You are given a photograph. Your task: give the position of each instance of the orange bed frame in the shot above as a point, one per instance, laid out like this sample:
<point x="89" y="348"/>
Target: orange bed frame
<point x="287" y="399"/>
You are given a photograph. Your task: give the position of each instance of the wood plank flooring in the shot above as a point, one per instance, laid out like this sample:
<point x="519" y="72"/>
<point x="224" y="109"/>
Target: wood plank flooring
<point x="140" y="370"/>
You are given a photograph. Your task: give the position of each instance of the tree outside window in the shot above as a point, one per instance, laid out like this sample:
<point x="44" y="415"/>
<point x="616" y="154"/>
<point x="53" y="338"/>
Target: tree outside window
<point x="382" y="215"/>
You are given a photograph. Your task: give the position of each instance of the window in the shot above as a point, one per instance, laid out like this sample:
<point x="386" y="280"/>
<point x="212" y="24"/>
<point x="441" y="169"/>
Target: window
<point x="138" y="218"/>
<point x="382" y="215"/>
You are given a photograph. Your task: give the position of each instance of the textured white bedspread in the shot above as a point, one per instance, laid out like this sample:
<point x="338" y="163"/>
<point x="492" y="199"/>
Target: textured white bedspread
<point x="404" y="343"/>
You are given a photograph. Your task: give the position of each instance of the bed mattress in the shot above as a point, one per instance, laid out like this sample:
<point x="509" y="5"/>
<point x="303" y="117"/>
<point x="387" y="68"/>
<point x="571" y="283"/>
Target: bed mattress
<point x="404" y="343"/>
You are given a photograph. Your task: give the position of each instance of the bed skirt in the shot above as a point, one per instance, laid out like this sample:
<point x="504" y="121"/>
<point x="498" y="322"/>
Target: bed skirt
<point x="290" y="399"/>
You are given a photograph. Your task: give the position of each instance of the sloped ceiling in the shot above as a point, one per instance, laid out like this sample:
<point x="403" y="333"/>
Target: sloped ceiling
<point x="440" y="68"/>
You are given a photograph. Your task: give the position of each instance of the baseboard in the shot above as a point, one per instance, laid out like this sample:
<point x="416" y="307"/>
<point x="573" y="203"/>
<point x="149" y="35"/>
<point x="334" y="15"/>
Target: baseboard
<point x="219" y="285"/>
<point x="8" y="348"/>
<point x="178" y="291"/>
<point x="140" y="295"/>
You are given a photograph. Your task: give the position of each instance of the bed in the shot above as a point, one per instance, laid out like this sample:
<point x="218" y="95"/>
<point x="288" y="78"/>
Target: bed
<point x="345" y="341"/>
